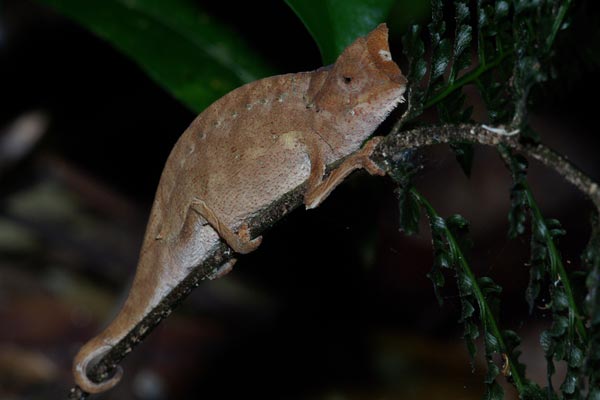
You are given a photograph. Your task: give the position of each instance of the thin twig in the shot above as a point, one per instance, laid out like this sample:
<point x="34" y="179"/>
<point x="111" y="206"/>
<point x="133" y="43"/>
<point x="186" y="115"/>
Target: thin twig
<point x="389" y="150"/>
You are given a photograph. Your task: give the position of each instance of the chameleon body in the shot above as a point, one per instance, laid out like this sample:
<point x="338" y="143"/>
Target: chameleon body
<point x="246" y="150"/>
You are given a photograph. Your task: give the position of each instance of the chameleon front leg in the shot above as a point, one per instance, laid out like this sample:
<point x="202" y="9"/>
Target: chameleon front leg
<point x="318" y="188"/>
<point x="240" y="242"/>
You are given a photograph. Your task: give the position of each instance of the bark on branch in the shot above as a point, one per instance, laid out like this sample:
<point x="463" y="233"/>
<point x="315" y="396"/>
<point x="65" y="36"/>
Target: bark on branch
<point x="387" y="153"/>
<point x="393" y="145"/>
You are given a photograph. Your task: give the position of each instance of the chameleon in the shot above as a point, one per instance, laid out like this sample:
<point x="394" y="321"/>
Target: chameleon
<point x="239" y="155"/>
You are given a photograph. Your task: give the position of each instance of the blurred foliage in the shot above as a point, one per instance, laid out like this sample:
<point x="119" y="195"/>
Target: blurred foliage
<point x="515" y="43"/>
<point x="194" y="57"/>
<point x="567" y="337"/>
<point x="451" y="245"/>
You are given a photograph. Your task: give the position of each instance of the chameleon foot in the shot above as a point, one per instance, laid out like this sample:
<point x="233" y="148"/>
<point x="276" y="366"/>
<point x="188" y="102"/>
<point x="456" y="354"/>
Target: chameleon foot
<point x="364" y="157"/>
<point x="240" y="242"/>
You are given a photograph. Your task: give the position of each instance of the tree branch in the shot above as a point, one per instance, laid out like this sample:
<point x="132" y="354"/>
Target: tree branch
<point x="388" y="150"/>
<point x="387" y="153"/>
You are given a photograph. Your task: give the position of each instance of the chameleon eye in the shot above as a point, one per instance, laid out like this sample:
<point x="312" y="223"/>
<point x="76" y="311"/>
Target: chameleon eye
<point x="347" y="79"/>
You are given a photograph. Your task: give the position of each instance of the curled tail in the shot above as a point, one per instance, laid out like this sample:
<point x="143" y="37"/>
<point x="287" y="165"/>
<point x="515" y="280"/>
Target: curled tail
<point x="92" y="351"/>
<point x="141" y="299"/>
<point x="162" y="266"/>
<point x="135" y="307"/>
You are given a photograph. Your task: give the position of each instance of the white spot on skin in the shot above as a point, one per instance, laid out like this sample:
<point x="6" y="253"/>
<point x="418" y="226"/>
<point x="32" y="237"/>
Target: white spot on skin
<point x="290" y="139"/>
<point x="385" y="55"/>
<point x="234" y="114"/>
<point x="249" y="106"/>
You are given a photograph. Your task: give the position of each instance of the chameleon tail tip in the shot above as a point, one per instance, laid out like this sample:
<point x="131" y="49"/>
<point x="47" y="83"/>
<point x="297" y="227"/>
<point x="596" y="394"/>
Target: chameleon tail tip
<point x="81" y="364"/>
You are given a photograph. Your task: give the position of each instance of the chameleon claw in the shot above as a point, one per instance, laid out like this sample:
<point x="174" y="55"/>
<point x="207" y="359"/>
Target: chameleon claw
<point x="244" y="244"/>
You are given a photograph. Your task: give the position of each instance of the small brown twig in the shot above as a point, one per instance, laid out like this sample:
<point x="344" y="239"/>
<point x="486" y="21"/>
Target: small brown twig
<point x="394" y="144"/>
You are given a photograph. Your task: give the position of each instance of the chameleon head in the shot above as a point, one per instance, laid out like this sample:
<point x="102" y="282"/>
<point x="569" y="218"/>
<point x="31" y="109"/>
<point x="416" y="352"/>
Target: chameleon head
<point x="363" y="86"/>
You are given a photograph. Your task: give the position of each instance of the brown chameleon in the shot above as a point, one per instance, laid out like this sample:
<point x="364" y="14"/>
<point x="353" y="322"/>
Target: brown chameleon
<point x="243" y="152"/>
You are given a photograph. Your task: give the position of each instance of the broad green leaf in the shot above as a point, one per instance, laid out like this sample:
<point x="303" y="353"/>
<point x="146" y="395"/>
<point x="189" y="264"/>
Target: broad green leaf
<point x="193" y="57"/>
<point x="334" y="24"/>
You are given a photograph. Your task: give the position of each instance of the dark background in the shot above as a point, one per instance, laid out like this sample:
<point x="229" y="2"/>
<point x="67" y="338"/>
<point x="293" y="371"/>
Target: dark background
<point x="335" y="304"/>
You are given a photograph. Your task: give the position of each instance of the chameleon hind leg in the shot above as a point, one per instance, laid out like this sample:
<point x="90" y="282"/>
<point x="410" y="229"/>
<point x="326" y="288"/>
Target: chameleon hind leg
<point x="240" y="242"/>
